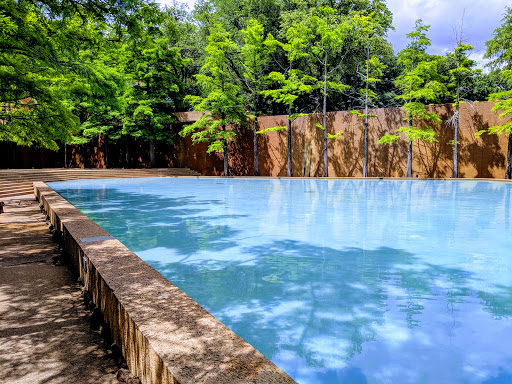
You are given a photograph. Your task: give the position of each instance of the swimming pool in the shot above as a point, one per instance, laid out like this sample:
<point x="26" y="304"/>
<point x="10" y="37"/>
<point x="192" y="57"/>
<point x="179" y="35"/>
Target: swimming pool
<point x="350" y="281"/>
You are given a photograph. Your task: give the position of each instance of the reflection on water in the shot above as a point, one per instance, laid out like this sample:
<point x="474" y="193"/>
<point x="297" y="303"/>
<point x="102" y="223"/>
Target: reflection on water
<point x="335" y="281"/>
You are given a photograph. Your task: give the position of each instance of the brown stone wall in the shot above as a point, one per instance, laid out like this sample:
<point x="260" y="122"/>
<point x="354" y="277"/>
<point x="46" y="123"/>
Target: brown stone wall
<point x="478" y="157"/>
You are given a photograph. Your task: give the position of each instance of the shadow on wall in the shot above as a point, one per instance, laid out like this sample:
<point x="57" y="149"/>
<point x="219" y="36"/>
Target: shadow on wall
<point x="478" y="157"/>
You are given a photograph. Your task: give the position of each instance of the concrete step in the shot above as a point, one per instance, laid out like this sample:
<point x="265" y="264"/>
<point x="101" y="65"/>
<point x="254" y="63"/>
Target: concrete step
<point x="19" y="181"/>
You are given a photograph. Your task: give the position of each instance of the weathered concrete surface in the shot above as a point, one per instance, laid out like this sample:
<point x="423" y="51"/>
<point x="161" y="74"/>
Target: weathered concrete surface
<point x="45" y="336"/>
<point x="165" y="336"/>
<point x="19" y="181"/>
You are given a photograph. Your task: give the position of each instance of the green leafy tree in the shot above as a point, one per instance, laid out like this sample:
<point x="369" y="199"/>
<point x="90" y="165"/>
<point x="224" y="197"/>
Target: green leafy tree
<point x="461" y="73"/>
<point x="292" y="82"/>
<point x="329" y="31"/>
<point x="155" y="91"/>
<point x="35" y="62"/>
<point x="95" y="96"/>
<point x="504" y="106"/>
<point x="370" y="32"/>
<point x="499" y="50"/>
<point x="420" y="82"/>
<point x="40" y="47"/>
<point x="221" y="104"/>
<point x="256" y="58"/>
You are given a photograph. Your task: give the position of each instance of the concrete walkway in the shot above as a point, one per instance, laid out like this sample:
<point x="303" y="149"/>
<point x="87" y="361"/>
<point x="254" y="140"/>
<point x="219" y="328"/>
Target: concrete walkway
<point x="45" y="336"/>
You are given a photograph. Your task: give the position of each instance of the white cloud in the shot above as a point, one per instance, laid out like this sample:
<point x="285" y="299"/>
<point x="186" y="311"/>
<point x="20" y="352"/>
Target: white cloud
<point x="481" y="17"/>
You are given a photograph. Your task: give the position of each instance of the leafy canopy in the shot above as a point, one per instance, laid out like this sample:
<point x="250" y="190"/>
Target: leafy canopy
<point x="221" y="103"/>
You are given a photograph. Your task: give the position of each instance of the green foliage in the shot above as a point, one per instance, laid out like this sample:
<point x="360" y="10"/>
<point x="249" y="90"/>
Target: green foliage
<point x="388" y="139"/>
<point x="503" y="105"/>
<point x="256" y="57"/>
<point x="155" y="90"/>
<point x="271" y="129"/>
<point x="328" y="37"/>
<point x="371" y="43"/>
<point x="31" y="74"/>
<point x="362" y="115"/>
<point x="221" y="99"/>
<point x="44" y="64"/>
<point x="499" y="48"/>
<point x="461" y="71"/>
<point x="413" y="133"/>
<point x="335" y="136"/>
<point x="294" y="116"/>
<point x="417" y="111"/>
<point x="419" y="83"/>
<point x="292" y="82"/>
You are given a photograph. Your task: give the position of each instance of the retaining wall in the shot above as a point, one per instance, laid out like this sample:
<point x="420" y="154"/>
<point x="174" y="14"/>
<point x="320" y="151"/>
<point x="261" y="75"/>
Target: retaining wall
<point x="165" y="336"/>
<point x="482" y="157"/>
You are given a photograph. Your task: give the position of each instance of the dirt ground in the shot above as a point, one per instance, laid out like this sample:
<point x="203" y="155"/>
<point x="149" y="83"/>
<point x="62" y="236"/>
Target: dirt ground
<point x="45" y="335"/>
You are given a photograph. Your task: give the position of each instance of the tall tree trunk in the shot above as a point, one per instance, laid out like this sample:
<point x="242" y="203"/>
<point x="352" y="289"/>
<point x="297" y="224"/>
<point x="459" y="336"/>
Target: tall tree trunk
<point x="409" y="154"/>
<point x="127" y="153"/>
<point x="508" y="169"/>
<point x="225" y="152"/>
<point x="289" y="170"/>
<point x="152" y="161"/>
<point x="83" y="155"/>
<point x="106" y="152"/>
<point x="365" y="161"/>
<point x="324" y="120"/>
<point x="456" y="139"/>
<point x="256" y="164"/>
<point x="409" y="160"/>
<point x="65" y="155"/>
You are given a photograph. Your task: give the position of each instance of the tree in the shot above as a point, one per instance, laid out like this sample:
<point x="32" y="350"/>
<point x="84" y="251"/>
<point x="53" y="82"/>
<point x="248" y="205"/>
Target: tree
<point x="460" y="74"/>
<point x="40" y="45"/>
<point x="155" y="92"/>
<point x="256" y="57"/>
<point x="499" y="49"/>
<point x="221" y="103"/>
<point x="292" y="82"/>
<point x="31" y="73"/>
<point x="95" y="96"/>
<point x="419" y="83"/>
<point x="369" y="30"/>
<point x="504" y="106"/>
<point x="330" y="30"/>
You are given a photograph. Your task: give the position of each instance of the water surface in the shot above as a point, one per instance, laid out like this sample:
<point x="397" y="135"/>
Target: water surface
<point x="335" y="281"/>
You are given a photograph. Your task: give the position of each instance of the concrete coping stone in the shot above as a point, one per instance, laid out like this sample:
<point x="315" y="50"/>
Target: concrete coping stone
<point x="96" y="238"/>
<point x="165" y="336"/>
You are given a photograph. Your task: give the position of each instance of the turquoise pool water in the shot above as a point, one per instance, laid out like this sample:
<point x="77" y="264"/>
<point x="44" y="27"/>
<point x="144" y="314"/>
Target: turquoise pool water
<point x="335" y="281"/>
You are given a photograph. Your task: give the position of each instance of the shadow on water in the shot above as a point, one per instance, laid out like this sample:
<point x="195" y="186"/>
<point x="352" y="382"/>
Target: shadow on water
<point x="324" y="304"/>
<point x="149" y="221"/>
<point x="298" y="303"/>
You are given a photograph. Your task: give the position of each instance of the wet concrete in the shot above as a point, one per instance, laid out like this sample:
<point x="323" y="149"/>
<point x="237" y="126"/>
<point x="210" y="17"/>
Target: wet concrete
<point x="45" y="335"/>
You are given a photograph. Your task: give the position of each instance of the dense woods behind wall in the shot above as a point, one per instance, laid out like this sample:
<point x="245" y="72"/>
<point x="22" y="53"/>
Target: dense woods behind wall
<point x="478" y="157"/>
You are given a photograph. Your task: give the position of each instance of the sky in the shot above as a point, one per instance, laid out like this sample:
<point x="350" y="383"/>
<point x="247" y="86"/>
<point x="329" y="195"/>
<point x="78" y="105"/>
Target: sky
<point x="480" y="19"/>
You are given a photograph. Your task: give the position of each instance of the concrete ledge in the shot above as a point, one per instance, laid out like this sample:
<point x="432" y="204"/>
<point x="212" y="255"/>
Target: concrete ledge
<point x="165" y="336"/>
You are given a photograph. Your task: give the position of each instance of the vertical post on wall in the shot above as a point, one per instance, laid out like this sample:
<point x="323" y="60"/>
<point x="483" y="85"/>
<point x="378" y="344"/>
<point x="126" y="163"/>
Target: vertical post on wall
<point x="152" y="153"/>
<point x="106" y="153"/>
<point x="127" y="153"/>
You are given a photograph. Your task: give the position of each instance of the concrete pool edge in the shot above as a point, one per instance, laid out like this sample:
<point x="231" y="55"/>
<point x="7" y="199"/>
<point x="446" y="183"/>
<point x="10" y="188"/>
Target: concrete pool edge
<point x="165" y="336"/>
